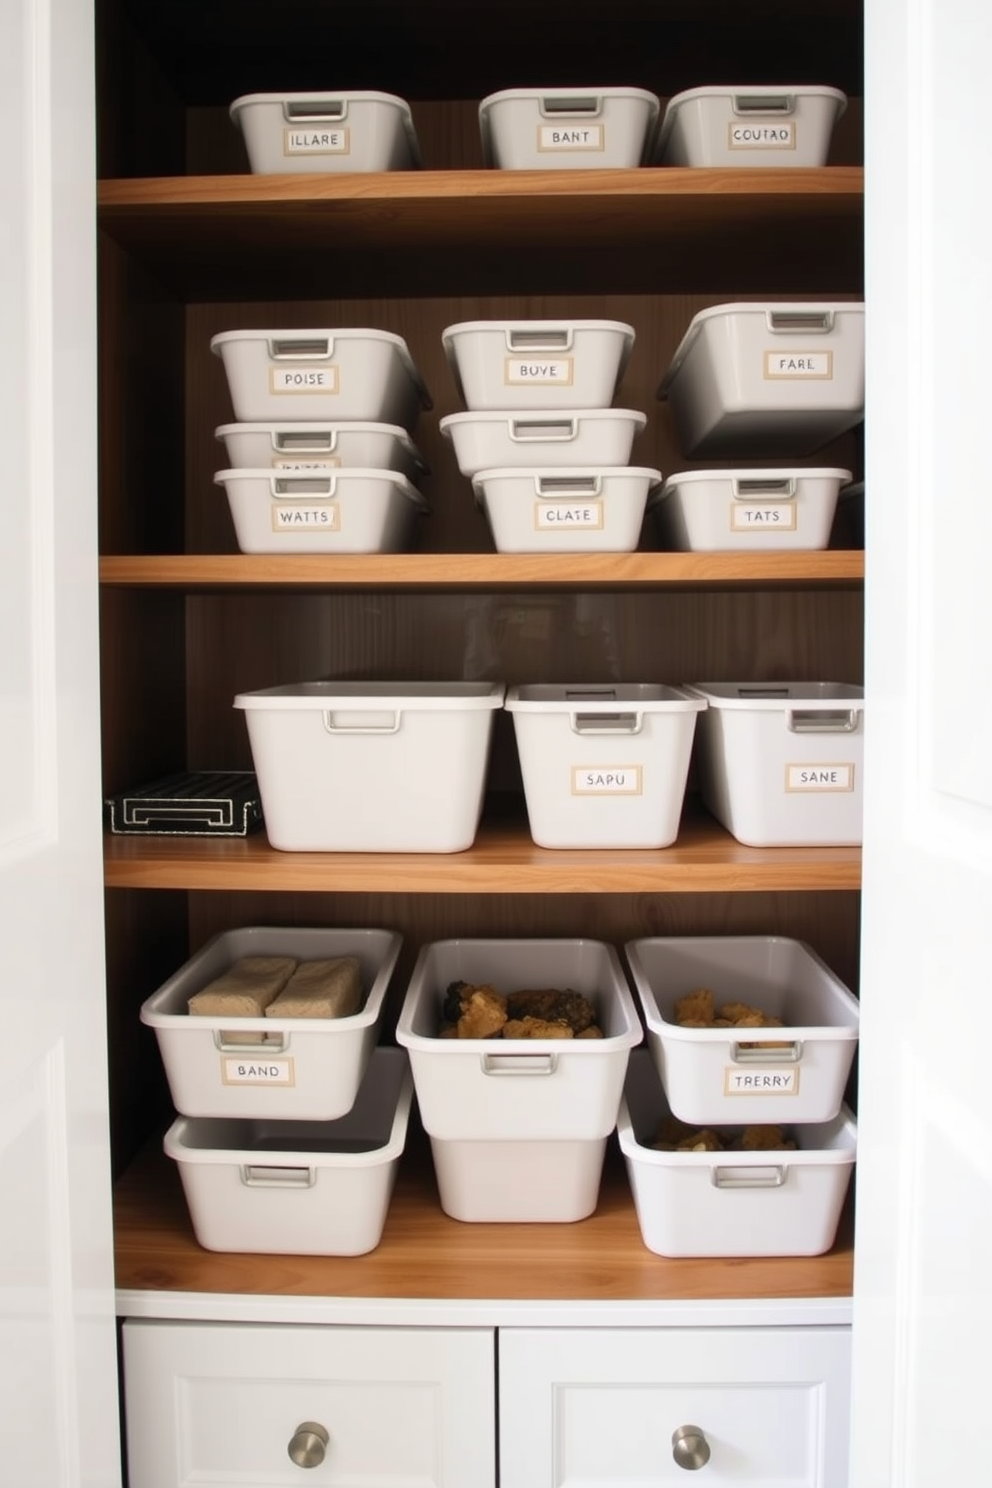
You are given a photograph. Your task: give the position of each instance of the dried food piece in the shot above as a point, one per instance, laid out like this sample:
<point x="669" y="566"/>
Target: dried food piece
<point x="483" y="1014"/>
<point x="696" y="1004"/>
<point x="765" y="1139"/>
<point x="593" y="1031"/>
<point x="553" y="1005"/>
<point x="700" y="1141"/>
<point x="535" y="1028"/>
<point x="455" y="997"/>
<point x="331" y="988"/>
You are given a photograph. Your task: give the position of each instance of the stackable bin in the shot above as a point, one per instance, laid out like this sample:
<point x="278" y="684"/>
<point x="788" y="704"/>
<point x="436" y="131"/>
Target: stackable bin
<point x="371" y="766"/>
<point x="732" y="1203"/>
<point x="322" y="511"/>
<point x="295" y="1187"/>
<point x="518" y="1127"/>
<point x="302" y="1069"/>
<point x="588" y="509"/>
<point x="568" y="128"/>
<point x="781" y="763"/>
<point x="310" y="133"/>
<point x="767" y="379"/>
<point x="324" y="374"/>
<point x="292" y="446"/>
<point x="533" y="439"/>
<point x="749" y="510"/>
<point x="738" y="1076"/>
<point x="749" y="127"/>
<point x="524" y="365"/>
<point x="604" y="766"/>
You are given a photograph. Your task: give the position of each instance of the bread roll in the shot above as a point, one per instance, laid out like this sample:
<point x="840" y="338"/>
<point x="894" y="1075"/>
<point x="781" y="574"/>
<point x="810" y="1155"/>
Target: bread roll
<point x="320" y="989"/>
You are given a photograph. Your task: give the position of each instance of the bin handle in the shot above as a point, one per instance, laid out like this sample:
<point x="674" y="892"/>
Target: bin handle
<point x="786" y="322"/>
<point x="522" y="430"/>
<point x="301" y="349"/>
<point x="770" y="1177"/>
<point x="764" y="103"/>
<point x="518" y="1064"/>
<point x="568" y="485"/>
<point x="811" y="721"/>
<point x="290" y="487"/>
<point x="288" y="443"/>
<point x="551" y="338"/>
<point x="301" y="109"/>
<point x="586" y="104"/>
<point x="606" y="723"/>
<point x="390" y="725"/>
<point x="259" y="1175"/>
<point x="756" y="490"/>
<point x="226" y="1041"/>
<point x="783" y="1053"/>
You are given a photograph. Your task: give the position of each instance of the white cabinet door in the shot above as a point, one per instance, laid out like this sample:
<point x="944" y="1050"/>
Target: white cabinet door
<point x="219" y="1403"/>
<point x="923" y="1303"/>
<point x="583" y="1408"/>
<point x="58" y="1374"/>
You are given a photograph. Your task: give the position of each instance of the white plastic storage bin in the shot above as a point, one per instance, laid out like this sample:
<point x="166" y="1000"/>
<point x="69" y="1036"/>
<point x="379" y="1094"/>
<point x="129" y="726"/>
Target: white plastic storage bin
<point x="604" y="766"/>
<point x="308" y="375"/>
<point x="532" y="439"/>
<point x="749" y="126"/>
<point x="518" y="1182"/>
<point x="326" y="446"/>
<point x="732" y="1203"/>
<point x="295" y="1187"/>
<point x="371" y="766"/>
<point x="319" y="132"/>
<point x="518" y="1090"/>
<point x="526" y="364"/>
<point x="567" y="128"/>
<point x="767" y="379"/>
<point x="710" y="511"/>
<point x="304" y="1069"/>
<point x="714" y="1076"/>
<point x="591" y="509"/>
<point x="322" y="511"/>
<point x="780" y="763"/>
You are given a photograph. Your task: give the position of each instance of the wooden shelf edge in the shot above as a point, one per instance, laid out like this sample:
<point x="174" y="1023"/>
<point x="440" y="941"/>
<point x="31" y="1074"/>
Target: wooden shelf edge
<point x="831" y="567"/>
<point x="121" y="196"/>
<point x="705" y="859"/>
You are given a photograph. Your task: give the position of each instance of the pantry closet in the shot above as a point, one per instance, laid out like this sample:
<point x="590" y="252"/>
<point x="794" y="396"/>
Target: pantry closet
<point x="582" y="1317"/>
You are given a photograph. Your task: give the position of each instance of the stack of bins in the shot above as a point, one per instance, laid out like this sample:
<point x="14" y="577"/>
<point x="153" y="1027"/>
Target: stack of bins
<point x="733" y="1123"/>
<point x="289" y="1129"/>
<point x="518" y="1125"/>
<point x="545" y="450"/>
<point x="321" y="458"/>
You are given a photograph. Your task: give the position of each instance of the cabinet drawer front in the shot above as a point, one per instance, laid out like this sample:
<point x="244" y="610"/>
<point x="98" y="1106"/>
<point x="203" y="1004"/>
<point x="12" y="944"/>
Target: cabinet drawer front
<point x="221" y="1403"/>
<point x="601" y="1407"/>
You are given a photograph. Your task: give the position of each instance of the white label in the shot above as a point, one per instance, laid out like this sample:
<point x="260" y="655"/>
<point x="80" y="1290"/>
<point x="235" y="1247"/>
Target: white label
<point x="316" y="518"/>
<point x="327" y="462"/>
<point x="538" y="371"/>
<point x="607" y="780"/>
<point x="799" y="364"/>
<point x="260" y="1071"/>
<point x="740" y="1081"/>
<point x="571" y="137"/>
<point x="763" y="518"/>
<point x="554" y="517"/>
<point x="303" y="379"/>
<point x="316" y="139"/>
<point x="819" y="777"/>
<point x="742" y="136"/>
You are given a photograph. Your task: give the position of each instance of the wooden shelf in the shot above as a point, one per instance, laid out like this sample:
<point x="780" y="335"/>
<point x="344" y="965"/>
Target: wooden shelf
<point x="486" y="571"/>
<point x="426" y="1255"/>
<point x="503" y="860"/>
<point x="459" y="231"/>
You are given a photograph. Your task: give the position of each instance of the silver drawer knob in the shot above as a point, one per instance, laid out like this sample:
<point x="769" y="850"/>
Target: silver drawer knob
<point x="308" y="1444"/>
<point x="690" y="1448"/>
